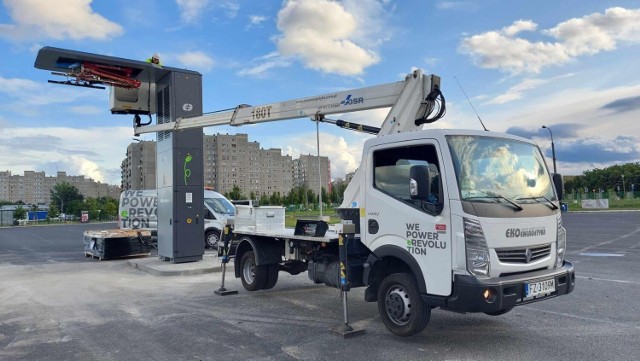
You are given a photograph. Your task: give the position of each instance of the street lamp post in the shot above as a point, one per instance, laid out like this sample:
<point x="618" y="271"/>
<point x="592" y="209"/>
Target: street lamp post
<point x="623" y="189"/>
<point x="553" y="148"/>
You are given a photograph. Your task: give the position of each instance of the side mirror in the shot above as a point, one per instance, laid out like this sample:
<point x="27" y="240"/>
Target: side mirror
<point x="419" y="182"/>
<point x="208" y="214"/>
<point x="558" y="182"/>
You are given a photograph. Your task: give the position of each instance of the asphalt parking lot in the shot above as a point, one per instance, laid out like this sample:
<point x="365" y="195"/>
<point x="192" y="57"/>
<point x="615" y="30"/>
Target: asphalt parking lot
<point x="56" y="304"/>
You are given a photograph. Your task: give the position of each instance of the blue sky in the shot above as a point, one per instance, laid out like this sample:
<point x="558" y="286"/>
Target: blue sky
<point x="570" y="65"/>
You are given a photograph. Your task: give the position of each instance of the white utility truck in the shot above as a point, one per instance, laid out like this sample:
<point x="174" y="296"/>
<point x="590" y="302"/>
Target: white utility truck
<point x="464" y="220"/>
<point x="138" y="209"/>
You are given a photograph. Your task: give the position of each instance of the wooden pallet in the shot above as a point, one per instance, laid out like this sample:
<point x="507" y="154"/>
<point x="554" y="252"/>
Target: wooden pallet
<point x="95" y="256"/>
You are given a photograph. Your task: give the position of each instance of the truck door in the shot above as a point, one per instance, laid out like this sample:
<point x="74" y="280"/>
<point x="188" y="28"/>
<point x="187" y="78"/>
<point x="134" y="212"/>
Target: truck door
<point x="406" y="207"/>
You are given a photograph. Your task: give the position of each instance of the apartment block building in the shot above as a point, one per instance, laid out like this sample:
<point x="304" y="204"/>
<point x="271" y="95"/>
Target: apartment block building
<point x="276" y="172"/>
<point x="232" y="160"/>
<point x="311" y="175"/>
<point x="35" y="187"/>
<point x="138" y="169"/>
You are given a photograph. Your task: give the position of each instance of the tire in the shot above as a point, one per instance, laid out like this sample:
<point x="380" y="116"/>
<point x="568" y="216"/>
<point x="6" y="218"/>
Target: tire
<point x="498" y="313"/>
<point x="400" y="305"/>
<point x="253" y="277"/>
<point x="272" y="276"/>
<point x="211" y="239"/>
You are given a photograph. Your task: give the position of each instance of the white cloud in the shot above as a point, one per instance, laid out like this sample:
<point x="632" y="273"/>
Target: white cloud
<point x="27" y="96"/>
<point x="598" y="32"/>
<point x="321" y="33"/>
<point x="197" y="60"/>
<point x="75" y="165"/>
<point x="570" y="105"/>
<point x="230" y="8"/>
<point x="191" y="10"/>
<point x="454" y="5"/>
<point x="77" y="151"/>
<point x="256" y="20"/>
<point x="344" y="153"/>
<point x="72" y="19"/>
<point x="264" y="64"/>
<point x="86" y="109"/>
<point x="519" y="26"/>
<point x="591" y="34"/>
<point x="373" y="27"/>
<point x="516" y="92"/>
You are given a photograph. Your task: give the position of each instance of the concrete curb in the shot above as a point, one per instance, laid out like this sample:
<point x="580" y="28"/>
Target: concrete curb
<point x="157" y="267"/>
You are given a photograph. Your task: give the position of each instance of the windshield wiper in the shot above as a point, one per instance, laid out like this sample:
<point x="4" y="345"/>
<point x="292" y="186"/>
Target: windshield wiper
<point x="553" y="205"/>
<point x="497" y="197"/>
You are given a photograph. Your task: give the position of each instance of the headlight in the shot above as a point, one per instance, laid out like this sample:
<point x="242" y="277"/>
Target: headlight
<point x="561" y="243"/>
<point x="478" y="262"/>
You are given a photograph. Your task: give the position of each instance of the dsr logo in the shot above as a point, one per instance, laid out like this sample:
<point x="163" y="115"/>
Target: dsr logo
<point x="349" y="100"/>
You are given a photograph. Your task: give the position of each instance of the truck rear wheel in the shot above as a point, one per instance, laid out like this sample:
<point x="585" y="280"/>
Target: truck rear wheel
<point x="253" y="276"/>
<point x="272" y="276"/>
<point x="400" y="306"/>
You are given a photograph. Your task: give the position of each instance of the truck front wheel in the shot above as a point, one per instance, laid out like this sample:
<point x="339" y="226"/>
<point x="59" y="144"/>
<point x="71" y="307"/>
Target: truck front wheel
<point x="400" y="306"/>
<point x="499" y="313"/>
<point x="253" y="276"/>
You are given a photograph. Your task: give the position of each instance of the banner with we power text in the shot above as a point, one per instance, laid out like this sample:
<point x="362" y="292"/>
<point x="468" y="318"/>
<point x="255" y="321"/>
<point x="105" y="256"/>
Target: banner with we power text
<point x="138" y="210"/>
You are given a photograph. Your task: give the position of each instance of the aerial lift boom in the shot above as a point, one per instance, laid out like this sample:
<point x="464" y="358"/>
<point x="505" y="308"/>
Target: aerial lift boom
<point x="408" y="99"/>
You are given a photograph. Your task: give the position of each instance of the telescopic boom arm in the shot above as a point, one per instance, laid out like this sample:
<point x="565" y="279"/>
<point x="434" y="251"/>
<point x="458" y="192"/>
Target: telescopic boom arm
<point x="407" y="99"/>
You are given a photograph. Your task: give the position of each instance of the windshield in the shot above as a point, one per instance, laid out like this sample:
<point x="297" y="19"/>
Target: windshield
<point x="220" y="205"/>
<point x="497" y="167"/>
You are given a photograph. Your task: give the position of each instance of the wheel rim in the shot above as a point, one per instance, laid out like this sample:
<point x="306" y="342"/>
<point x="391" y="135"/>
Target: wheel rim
<point x="398" y="305"/>
<point x="212" y="240"/>
<point x="248" y="271"/>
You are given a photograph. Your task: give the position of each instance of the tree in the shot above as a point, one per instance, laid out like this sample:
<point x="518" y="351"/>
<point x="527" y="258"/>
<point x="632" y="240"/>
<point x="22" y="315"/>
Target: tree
<point x="53" y="210"/>
<point x="325" y="196"/>
<point x="63" y="194"/>
<point x="310" y="197"/>
<point x="20" y="213"/>
<point x="606" y="179"/>
<point x="252" y="195"/>
<point x="275" y="199"/>
<point x="236" y="193"/>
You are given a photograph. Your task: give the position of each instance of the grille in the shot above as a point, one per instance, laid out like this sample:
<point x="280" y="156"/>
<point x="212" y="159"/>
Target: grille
<point x="519" y="255"/>
<point x="164" y="111"/>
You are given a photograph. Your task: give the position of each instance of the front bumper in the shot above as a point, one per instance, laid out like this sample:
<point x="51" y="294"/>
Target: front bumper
<point x="509" y="291"/>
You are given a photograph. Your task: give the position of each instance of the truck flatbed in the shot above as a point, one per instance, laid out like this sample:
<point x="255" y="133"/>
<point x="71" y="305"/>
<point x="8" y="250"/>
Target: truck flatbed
<point x="288" y="233"/>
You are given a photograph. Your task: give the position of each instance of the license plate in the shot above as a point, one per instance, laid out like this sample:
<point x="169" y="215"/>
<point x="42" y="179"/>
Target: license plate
<point x="532" y="289"/>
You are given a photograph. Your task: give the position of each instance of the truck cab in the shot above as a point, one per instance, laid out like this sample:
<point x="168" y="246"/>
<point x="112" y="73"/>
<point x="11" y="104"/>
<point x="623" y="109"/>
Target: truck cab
<point x="472" y="216"/>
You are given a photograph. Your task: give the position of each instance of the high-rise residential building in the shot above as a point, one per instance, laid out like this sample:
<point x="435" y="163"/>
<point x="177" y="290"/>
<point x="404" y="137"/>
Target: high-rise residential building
<point x="232" y="160"/>
<point x="138" y="169"/>
<point x="311" y="175"/>
<point x="5" y="185"/>
<point x="276" y="172"/>
<point x="35" y="187"/>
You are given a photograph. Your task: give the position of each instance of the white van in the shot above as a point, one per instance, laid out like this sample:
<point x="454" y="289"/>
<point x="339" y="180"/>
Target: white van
<point x="138" y="209"/>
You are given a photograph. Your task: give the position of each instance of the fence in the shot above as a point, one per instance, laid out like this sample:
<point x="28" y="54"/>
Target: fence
<point x="6" y="217"/>
<point x="611" y="200"/>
